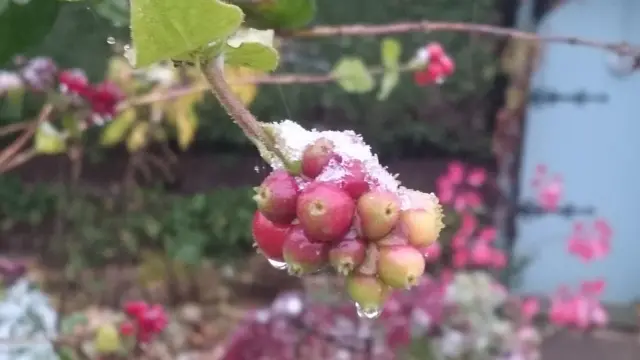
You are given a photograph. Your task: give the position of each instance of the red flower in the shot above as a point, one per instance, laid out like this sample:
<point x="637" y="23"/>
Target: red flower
<point x="437" y="65"/>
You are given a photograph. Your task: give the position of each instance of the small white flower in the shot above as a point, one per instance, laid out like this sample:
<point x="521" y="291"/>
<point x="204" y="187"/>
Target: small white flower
<point x="9" y="81"/>
<point x="452" y="344"/>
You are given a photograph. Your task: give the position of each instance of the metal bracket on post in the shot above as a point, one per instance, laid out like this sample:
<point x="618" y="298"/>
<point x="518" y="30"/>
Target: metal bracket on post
<point x="540" y="97"/>
<point x="529" y="209"/>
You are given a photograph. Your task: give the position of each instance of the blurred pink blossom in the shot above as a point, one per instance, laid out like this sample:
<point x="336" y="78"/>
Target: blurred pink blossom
<point x="458" y="187"/>
<point x="548" y="189"/>
<point x="582" y="309"/>
<point x="590" y="241"/>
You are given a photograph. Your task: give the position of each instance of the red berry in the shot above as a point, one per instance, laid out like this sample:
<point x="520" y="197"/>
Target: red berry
<point x="347" y="255"/>
<point x="355" y="181"/>
<point x="435" y="51"/>
<point x="135" y="308"/>
<point x="276" y="197"/>
<point x="269" y="237"/>
<point x="301" y="254"/>
<point x="104" y="98"/>
<point x="325" y="212"/>
<point x="127" y="328"/>
<point x="433" y="73"/>
<point x="73" y="81"/>
<point x="448" y="66"/>
<point x="400" y="266"/>
<point x="377" y="213"/>
<point x="316" y="156"/>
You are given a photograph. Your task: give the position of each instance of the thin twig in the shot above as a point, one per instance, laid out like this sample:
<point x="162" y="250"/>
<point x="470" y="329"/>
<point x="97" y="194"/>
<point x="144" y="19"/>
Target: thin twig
<point x="14" y="148"/>
<point x="251" y="127"/>
<point x="18" y="160"/>
<point x="15" y="127"/>
<point x="621" y="48"/>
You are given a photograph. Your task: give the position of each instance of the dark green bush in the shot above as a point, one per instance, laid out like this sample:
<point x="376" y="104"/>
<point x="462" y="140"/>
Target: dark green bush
<point x="100" y="227"/>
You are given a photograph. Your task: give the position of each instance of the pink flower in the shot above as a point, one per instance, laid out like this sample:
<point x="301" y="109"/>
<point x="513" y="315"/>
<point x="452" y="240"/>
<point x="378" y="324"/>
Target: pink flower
<point x="467" y="200"/>
<point x="468" y="224"/>
<point x="477" y="177"/>
<point x="549" y="195"/>
<point x="581" y="310"/>
<point x="530" y="307"/>
<point x="548" y="191"/>
<point x="456" y="188"/>
<point x="460" y="258"/>
<point x="592" y="242"/>
<point x="481" y="254"/>
<point x="487" y="234"/>
<point x="498" y="259"/>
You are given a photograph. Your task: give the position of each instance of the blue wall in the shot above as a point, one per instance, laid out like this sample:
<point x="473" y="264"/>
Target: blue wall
<point x="595" y="147"/>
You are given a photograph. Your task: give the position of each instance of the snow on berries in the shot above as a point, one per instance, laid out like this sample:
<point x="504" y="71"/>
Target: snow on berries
<point x="343" y="211"/>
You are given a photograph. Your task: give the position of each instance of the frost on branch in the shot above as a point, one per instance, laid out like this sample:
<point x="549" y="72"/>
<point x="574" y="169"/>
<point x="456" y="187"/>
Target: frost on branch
<point x="330" y="203"/>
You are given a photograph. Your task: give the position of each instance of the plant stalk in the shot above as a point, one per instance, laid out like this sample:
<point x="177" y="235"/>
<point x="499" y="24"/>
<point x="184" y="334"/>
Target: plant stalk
<point x="250" y="126"/>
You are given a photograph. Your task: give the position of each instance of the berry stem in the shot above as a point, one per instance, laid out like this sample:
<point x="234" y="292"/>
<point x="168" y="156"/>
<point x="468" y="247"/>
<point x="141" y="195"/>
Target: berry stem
<point x="250" y="126"/>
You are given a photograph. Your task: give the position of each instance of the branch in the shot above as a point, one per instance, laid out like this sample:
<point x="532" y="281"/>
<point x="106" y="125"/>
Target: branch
<point x="276" y="79"/>
<point x="251" y="127"/>
<point x="481" y="29"/>
<point x="7" y="154"/>
<point x="12" y="128"/>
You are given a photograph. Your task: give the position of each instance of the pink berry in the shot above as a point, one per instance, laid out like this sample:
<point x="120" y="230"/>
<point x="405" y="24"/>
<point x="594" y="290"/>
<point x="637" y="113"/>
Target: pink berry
<point x="400" y="266"/>
<point x="325" y="212"/>
<point x="302" y="255"/>
<point x="367" y="291"/>
<point x="316" y="156"/>
<point x="355" y="181"/>
<point x="269" y="237"/>
<point x="277" y="197"/>
<point x="347" y="255"/>
<point x="377" y="212"/>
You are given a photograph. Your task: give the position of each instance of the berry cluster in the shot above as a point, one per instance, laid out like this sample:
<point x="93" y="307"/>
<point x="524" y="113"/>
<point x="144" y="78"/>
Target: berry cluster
<point x="336" y="213"/>
<point x="145" y="321"/>
<point x="438" y="65"/>
<point x="102" y="98"/>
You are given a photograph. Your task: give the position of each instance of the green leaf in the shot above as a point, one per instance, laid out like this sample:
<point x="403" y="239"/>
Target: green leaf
<point x="23" y="25"/>
<point x="353" y="76"/>
<point x="117" y="129"/>
<point x="391" y="49"/>
<point x="164" y="29"/>
<point x="389" y="81"/>
<point x="13" y="103"/>
<point x="280" y="14"/>
<point x="252" y="48"/>
<point x="48" y="140"/>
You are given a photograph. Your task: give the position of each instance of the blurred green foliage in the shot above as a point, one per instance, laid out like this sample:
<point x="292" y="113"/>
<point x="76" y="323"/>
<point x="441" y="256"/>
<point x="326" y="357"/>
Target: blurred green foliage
<point x="412" y="116"/>
<point x="100" y="227"/>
